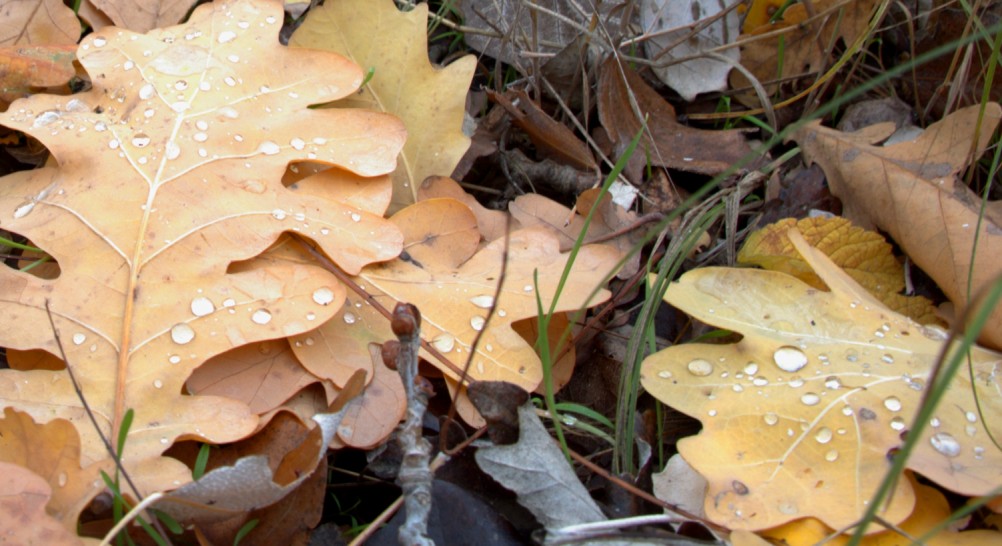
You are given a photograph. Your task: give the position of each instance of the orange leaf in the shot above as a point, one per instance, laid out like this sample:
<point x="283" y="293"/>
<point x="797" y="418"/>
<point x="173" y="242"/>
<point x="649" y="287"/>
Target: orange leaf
<point x="169" y="170"/>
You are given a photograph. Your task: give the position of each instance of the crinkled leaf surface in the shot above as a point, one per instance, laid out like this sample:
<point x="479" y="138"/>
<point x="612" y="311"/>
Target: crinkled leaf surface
<point x="143" y="15"/>
<point x="864" y="255"/>
<point x="911" y="191"/>
<point x="169" y="169"/>
<point x="800" y="415"/>
<point x="431" y="101"/>
<point x="37" y="22"/>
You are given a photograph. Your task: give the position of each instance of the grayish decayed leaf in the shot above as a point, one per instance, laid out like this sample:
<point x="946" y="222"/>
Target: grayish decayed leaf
<point x="681" y="485"/>
<point x="242" y="487"/>
<point x="536" y="470"/>
<point x="694" y="76"/>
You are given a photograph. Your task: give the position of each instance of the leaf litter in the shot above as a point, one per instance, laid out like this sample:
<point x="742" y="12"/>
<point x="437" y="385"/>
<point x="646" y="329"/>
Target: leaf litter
<point x="185" y="170"/>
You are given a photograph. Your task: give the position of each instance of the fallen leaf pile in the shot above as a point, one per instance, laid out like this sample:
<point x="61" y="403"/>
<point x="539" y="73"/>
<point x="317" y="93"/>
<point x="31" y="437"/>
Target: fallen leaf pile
<point x="190" y="307"/>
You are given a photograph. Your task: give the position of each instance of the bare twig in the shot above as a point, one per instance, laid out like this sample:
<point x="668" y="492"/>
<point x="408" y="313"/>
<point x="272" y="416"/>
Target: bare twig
<point x="415" y="476"/>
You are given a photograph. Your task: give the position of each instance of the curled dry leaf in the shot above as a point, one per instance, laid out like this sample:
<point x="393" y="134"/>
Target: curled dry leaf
<point x="800" y="415"/>
<point x="491" y="223"/>
<point x="911" y="191"/>
<point x="25" y="67"/>
<point x="169" y="169"/>
<point x="431" y="101"/>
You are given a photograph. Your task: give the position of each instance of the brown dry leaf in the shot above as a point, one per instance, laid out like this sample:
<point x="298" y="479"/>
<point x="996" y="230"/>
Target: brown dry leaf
<point x="674" y="145"/>
<point x="439" y="234"/>
<point x="430" y="101"/>
<point x="168" y="170"/>
<point x="370" y="418"/>
<point x="23" y="519"/>
<point x="51" y="450"/>
<point x="802" y="46"/>
<point x="144" y="15"/>
<point x="262" y="375"/>
<point x="911" y="191"/>
<point x="37" y="23"/>
<point x="931" y="509"/>
<point x="550" y="136"/>
<point x="863" y="255"/>
<point x="490" y="223"/>
<point x="800" y="415"/>
<point x="532" y="210"/>
<point x="24" y="67"/>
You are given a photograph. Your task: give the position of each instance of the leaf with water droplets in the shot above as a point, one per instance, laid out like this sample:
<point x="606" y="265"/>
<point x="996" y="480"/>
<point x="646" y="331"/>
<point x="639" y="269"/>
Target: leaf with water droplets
<point x="170" y="176"/>
<point x="430" y="100"/>
<point x="804" y="410"/>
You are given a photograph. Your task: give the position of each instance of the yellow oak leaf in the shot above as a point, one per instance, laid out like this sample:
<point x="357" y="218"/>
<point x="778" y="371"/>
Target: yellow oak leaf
<point x="165" y="173"/>
<point x="800" y="415"/>
<point x="431" y="101"/>
<point x="864" y="255"/>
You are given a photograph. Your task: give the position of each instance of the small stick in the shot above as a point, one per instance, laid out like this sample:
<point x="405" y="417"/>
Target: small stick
<point x="415" y="475"/>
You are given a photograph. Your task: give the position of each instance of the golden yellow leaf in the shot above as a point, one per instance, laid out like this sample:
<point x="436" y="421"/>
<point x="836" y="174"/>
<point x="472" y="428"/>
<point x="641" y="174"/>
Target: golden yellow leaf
<point x="911" y="192"/>
<point x="430" y="101"/>
<point x="169" y="170"/>
<point x="931" y="509"/>
<point x="863" y="255"/>
<point x="800" y="415"/>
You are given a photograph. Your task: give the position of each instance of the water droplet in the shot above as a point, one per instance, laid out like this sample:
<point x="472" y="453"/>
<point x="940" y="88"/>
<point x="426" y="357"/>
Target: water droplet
<point x="892" y="403"/>
<point x="174" y="359"/>
<point x="770" y="418"/>
<point x="269" y="148"/>
<point x="851" y="355"/>
<point x="887" y="359"/>
<point x="760" y="381"/>
<point x="356" y="217"/>
<point x="146" y="91"/>
<point x="229" y="302"/>
<point x="788" y="508"/>
<point x="158" y="384"/>
<point x="700" y="367"/>
<point x="79" y="338"/>
<point x="833" y="383"/>
<point x="311" y="316"/>
<point x="527" y="288"/>
<point x="823" y="435"/>
<point x="278" y="214"/>
<point x="182" y="333"/>
<point x="325" y="231"/>
<point x="477" y="322"/>
<point x="810" y="399"/>
<point x="971" y="417"/>
<point x="226" y="36"/>
<point x="945" y="444"/>
<point x="502" y="313"/>
<point x="99" y="42"/>
<point x="323" y="296"/>
<point x="229" y="112"/>
<point x="200" y="137"/>
<point x="444" y="342"/>
<point x="202" y="306"/>
<point x="46" y="118"/>
<point x="298" y="143"/>
<point x="737" y="388"/>
<point x="114" y="144"/>
<point x="163" y="440"/>
<point x="831" y="456"/>
<point x="789" y="359"/>
<point x="261" y="316"/>
<point x="712" y="413"/>
<point x="898" y="423"/>
<point x="934" y="333"/>
<point x="483" y="301"/>
<point x="665" y="374"/>
<point x="934" y="422"/>
<point x="796" y="382"/>
<point x="971" y="430"/>
<point x="847" y="411"/>
<point x="349" y="317"/>
<point x="751" y="369"/>
<point x="233" y="58"/>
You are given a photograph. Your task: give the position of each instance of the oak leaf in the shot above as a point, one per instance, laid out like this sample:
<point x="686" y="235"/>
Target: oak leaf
<point x="430" y="101"/>
<point x="863" y="255"/>
<point x="38" y="23"/>
<point x="143" y="15"/>
<point x="911" y="191"/>
<point x="23" y="67"/>
<point x="800" y="415"/>
<point x="169" y="169"/>
<point x="23" y="519"/>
